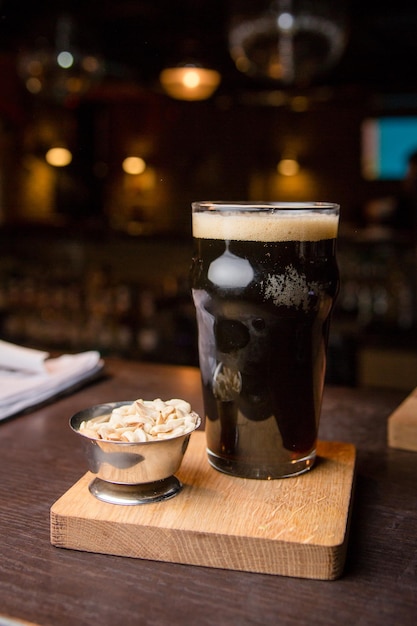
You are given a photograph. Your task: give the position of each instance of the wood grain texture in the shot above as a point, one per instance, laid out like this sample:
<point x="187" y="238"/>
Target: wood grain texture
<point x="402" y="424"/>
<point x="294" y="527"/>
<point x="41" y="459"/>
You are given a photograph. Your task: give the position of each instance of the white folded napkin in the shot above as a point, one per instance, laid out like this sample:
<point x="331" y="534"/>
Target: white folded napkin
<point x="28" y="377"/>
<point x="13" y="357"/>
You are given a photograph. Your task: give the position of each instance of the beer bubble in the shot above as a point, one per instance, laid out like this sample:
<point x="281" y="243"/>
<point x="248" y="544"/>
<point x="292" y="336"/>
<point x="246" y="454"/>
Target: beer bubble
<point x="259" y="324"/>
<point x="289" y="289"/>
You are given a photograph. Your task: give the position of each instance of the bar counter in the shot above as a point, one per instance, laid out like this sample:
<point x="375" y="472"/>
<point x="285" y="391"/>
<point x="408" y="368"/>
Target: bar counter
<point x="40" y="459"/>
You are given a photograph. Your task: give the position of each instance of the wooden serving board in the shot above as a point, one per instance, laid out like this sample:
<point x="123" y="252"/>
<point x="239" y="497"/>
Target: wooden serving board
<point x="402" y="424"/>
<point x="293" y="527"/>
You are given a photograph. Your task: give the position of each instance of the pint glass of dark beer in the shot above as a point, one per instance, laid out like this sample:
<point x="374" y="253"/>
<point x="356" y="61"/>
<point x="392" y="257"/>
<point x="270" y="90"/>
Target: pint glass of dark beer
<point x="264" y="280"/>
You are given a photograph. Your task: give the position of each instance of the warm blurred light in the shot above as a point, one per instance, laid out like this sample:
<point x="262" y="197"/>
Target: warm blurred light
<point x="299" y="104"/>
<point x="90" y="64"/>
<point x="58" y="157"/>
<point x="288" y="167"/>
<point x="33" y="85"/>
<point x="134" y="165"/>
<point x="189" y="82"/>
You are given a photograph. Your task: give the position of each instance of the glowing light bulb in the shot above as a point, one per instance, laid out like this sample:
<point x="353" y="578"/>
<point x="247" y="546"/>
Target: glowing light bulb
<point x="285" y="21"/>
<point x="190" y="83"/>
<point x="58" y="157"/>
<point x="65" y="59"/>
<point x="134" y="165"/>
<point x="288" y="167"/>
<point x="191" y="79"/>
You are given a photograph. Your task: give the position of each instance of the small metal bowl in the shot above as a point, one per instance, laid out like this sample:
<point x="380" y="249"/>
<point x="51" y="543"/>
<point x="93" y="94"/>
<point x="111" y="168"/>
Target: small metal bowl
<point x="131" y="473"/>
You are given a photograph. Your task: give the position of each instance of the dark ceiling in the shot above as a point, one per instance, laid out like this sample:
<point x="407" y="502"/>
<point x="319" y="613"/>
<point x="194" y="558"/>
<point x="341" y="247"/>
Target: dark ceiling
<point x="138" y="37"/>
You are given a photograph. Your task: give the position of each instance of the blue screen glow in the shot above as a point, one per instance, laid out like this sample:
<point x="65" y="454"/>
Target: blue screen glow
<point x="387" y="144"/>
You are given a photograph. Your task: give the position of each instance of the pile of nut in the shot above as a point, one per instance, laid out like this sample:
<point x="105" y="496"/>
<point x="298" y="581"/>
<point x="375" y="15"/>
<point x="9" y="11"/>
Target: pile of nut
<point x="143" y="420"/>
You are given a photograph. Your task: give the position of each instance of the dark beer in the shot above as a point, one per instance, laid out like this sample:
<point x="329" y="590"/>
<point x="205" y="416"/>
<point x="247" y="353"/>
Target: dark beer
<point x="264" y="284"/>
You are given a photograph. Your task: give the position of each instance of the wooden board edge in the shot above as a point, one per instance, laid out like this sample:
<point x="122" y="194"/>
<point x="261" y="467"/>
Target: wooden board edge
<point x="402" y="425"/>
<point x="205" y="550"/>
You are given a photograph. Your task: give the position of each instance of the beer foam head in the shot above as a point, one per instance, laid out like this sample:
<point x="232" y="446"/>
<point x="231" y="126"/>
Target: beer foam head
<point x="279" y="224"/>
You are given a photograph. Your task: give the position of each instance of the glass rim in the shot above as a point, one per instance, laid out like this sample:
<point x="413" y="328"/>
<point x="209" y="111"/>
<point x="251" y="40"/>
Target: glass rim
<point x="247" y="205"/>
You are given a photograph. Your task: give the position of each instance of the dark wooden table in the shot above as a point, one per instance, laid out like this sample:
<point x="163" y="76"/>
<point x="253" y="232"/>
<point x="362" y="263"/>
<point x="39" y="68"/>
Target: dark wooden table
<point x="40" y="458"/>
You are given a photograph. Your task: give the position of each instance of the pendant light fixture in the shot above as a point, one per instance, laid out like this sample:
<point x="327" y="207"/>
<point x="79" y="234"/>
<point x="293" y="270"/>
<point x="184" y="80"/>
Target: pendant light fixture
<point x="189" y="74"/>
<point x="292" y="42"/>
<point x="190" y="81"/>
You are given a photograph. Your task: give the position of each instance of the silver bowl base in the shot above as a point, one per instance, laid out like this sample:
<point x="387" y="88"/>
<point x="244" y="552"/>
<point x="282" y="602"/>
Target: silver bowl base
<point x="143" y="493"/>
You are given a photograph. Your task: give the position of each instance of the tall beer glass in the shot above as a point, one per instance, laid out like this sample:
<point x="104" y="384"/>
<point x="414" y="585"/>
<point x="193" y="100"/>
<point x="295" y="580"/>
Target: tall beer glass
<point x="264" y="280"/>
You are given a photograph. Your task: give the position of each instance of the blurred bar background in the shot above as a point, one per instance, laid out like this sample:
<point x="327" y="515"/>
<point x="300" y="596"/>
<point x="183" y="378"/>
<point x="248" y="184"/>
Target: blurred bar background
<point x="308" y="101"/>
